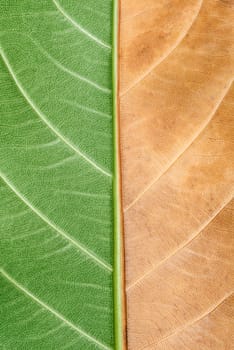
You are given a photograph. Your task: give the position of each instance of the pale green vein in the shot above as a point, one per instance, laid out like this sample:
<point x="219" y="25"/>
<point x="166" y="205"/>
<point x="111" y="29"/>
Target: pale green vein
<point x="53" y="311"/>
<point x="87" y="109"/>
<point x="64" y="234"/>
<point x="79" y="27"/>
<point x="65" y="69"/>
<point x="60" y="163"/>
<point x="44" y="118"/>
<point x="84" y="194"/>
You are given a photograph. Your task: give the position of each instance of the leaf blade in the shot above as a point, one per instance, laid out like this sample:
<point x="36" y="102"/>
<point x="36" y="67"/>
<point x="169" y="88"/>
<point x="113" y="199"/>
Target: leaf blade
<point x="178" y="176"/>
<point x="56" y="166"/>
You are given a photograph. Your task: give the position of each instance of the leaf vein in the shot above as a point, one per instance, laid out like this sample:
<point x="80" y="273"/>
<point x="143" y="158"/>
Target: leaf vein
<point x="79" y="27"/>
<point x="64" y="234"/>
<point x="194" y="321"/>
<point x="202" y="128"/>
<point x="185" y="244"/>
<point x="42" y="304"/>
<point x="177" y="43"/>
<point x="44" y="118"/>
<point x="68" y="71"/>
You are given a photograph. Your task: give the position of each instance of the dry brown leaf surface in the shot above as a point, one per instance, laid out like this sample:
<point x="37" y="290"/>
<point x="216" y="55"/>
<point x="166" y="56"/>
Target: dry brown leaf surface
<point x="177" y="107"/>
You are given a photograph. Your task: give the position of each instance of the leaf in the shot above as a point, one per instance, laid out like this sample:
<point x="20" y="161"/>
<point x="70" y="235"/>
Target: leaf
<point x="177" y="150"/>
<point x="57" y="222"/>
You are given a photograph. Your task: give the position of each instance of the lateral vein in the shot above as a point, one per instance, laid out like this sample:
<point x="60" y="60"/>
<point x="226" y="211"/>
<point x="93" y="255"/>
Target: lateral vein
<point x="64" y="234"/>
<point x="183" y="245"/>
<point x="79" y="27"/>
<point x="52" y="311"/>
<point x="68" y="71"/>
<point x="44" y="118"/>
<point x="199" y="318"/>
<point x="162" y="59"/>
<point x="187" y="146"/>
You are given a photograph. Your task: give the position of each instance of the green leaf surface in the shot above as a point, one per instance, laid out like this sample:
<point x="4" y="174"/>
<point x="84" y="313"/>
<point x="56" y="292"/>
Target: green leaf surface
<point x="56" y="166"/>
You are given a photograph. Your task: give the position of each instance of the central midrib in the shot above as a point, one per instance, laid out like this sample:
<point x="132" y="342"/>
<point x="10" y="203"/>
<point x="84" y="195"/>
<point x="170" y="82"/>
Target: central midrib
<point x="118" y="263"/>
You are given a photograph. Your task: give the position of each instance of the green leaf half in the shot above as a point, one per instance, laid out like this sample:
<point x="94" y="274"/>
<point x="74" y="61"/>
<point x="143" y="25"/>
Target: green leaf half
<point x="60" y="208"/>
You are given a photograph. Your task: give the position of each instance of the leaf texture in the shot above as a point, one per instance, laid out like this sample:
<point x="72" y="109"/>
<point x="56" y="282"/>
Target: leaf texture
<point x="177" y="154"/>
<point x="56" y="175"/>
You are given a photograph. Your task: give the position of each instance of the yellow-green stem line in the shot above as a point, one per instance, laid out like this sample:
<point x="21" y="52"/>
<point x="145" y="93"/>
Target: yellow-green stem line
<point x="118" y="274"/>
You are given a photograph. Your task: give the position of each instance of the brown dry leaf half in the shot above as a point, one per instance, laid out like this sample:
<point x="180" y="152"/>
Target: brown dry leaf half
<point x="176" y="110"/>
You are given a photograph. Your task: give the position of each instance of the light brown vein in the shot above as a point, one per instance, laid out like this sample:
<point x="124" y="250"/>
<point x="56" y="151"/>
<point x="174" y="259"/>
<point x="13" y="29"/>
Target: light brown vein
<point x="186" y="147"/>
<point x="183" y="245"/>
<point x="166" y="54"/>
<point x="199" y="318"/>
